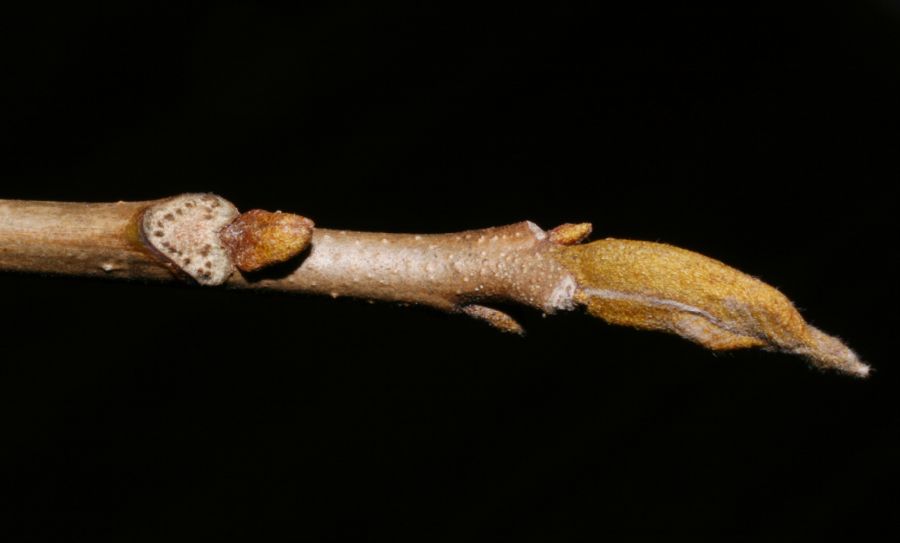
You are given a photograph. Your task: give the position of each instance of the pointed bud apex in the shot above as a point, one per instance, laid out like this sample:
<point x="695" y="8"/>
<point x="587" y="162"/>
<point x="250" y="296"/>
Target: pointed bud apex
<point x="661" y="287"/>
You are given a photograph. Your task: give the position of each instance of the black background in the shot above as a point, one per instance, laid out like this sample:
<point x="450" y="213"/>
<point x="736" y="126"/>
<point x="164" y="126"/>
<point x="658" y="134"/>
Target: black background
<point x="764" y="134"/>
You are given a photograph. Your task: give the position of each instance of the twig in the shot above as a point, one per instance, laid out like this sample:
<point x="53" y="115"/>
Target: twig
<point x="202" y="238"/>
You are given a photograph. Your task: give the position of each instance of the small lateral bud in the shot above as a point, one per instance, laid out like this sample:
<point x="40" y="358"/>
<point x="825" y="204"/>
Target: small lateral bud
<point x="571" y="234"/>
<point x="496" y="318"/>
<point x="258" y="238"/>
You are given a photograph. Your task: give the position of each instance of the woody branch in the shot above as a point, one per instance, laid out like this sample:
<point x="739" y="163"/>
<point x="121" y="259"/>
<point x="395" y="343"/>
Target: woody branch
<point x="202" y="238"/>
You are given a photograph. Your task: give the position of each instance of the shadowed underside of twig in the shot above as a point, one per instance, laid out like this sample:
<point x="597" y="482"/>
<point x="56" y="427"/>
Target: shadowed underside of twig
<point x="202" y="238"/>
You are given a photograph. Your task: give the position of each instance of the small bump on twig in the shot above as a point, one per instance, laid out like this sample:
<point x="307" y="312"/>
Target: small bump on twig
<point x="258" y="239"/>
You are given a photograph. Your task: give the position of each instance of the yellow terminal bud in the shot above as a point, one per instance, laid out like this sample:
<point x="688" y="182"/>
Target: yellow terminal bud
<point x="661" y="287"/>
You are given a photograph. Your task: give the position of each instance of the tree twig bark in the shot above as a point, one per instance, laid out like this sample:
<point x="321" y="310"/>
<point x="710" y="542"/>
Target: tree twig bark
<point x="202" y="238"/>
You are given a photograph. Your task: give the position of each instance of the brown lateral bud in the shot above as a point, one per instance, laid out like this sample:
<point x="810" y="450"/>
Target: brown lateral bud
<point x="496" y="318"/>
<point x="258" y="238"/>
<point x="571" y="233"/>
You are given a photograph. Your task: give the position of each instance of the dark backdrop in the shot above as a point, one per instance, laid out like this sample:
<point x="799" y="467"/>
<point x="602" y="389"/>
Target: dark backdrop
<point x="764" y="134"/>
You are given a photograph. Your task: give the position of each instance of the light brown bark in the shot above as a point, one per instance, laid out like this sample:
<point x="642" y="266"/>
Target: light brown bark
<point x="202" y="238"/>
<point x="447" y="271"/>
<point x="76" y="239"/>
